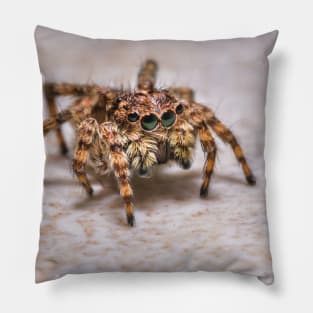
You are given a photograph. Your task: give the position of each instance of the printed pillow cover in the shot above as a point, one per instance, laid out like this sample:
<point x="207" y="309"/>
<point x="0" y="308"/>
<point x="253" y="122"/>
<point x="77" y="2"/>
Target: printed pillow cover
<point x="154" y="155"/>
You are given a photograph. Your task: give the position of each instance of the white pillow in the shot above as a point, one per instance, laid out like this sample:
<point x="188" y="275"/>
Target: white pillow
<point x="175" y="229"/>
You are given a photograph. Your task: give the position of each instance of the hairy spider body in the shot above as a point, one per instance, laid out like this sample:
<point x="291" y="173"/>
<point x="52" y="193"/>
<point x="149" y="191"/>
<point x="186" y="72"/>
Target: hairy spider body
<point x="125" y="131"/>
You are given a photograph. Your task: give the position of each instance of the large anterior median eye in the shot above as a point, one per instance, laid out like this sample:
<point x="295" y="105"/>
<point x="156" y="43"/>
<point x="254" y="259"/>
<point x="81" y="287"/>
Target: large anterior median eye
<point x="168" y="118"/>
<point x="133" y="117"/>
<point x="149" y="122"/>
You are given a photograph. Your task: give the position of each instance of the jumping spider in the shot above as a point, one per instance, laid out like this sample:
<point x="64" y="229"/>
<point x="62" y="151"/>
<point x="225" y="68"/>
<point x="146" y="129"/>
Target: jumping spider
<point x="134" y="130"/>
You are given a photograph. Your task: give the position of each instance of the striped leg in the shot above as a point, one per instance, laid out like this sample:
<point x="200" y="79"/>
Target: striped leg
<point x="183" y="93"/>
<point x="55" y="121"/>
<point x="147" y="76"/>
<point x="79" y="110"/>
<point x="209" y="147"/>
<point x="64" y="89"/>
<point x="86" y="134"/>
<point x="51" y="91"/>
<point x="119" y="164"/>
<point x="53" y="112"/>
<point x="227" y="136"/>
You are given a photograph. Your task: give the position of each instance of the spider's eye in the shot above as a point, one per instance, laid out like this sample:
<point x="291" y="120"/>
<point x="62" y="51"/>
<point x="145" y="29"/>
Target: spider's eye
<point x="168" y="118"/>
<point x="133" y="117"/>
<point x="180" y="109"/>
<point x="149" y="122"/>
<point x="117" y="101"/>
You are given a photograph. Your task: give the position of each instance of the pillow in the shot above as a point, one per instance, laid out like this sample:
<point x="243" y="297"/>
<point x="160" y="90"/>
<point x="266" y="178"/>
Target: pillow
<point x="154" y="155"/>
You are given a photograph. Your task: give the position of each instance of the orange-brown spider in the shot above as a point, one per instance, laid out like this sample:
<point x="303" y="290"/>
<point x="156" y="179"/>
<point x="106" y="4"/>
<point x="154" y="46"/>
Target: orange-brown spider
<point x="134" y="130"/>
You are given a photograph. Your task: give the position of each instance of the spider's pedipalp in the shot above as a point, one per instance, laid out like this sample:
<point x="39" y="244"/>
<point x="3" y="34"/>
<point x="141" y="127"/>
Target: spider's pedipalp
<point x="182" y="141"/>
<point x="142" y="154"/>
<point x="209" y="147"/>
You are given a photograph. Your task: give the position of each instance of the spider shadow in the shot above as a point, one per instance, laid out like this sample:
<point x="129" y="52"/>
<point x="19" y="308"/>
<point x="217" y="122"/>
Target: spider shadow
<point x="178" y="186"/>
<point x="181" y="186"/>
<point x="89" y="200"/>
<point x="162" y="185"/>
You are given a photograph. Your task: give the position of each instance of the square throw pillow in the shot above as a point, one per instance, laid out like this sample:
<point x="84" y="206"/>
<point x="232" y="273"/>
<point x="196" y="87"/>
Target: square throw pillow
<point x="154" y="155"/>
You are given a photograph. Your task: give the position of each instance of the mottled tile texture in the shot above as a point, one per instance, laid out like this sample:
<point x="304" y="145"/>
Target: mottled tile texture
<point x="175" y="230"/>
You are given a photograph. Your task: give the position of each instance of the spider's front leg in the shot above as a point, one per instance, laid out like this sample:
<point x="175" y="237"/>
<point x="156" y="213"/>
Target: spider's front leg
<point x="182" y="142"/>
<point x="209" y="147"/>
<point x="119" y="164"/>
<point x="87" y="132"/>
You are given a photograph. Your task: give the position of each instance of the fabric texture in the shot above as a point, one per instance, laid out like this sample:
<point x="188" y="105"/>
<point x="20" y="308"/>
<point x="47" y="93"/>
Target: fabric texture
<point x="175" y="229"/>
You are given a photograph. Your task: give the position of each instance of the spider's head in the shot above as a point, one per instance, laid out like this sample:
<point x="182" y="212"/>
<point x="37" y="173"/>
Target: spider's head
<point x="149" y="111"/>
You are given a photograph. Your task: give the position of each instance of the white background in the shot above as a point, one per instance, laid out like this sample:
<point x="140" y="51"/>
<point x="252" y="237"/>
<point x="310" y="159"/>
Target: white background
<point x="289" y="156"/>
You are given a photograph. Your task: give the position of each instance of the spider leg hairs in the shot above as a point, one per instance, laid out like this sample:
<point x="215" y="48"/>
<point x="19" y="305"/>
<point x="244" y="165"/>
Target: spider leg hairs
<point x="128" y="130"/>
<point x="155" y="147"/>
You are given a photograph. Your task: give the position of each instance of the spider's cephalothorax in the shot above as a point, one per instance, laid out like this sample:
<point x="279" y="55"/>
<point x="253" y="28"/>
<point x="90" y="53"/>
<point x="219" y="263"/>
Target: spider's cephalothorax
<point x="125" y="131"/>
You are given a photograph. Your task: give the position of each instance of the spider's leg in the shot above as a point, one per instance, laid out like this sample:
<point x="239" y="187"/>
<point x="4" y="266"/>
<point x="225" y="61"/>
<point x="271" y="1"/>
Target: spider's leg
<point x="182" y="141"/>
<point x="209" y="147"/>
<point x="53" y="123"/>
<point x="79" y="110"/>
<point x="183" y="93"/>
<point x="147" y="76"/>
<point x="65" y="89"/>
<point x="52" y="90"/>
<point x="87" y="132"/>
<point x="53" y="112"/>
<point x="119" y="164"/>
<point x="227" y="136"/>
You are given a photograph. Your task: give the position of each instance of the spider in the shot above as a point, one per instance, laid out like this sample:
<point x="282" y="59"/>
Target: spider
<point x="128" y="131"/>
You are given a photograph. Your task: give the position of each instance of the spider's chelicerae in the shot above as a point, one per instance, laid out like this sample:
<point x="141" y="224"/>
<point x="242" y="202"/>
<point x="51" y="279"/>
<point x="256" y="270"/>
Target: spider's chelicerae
<point x="127" y="131"/>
